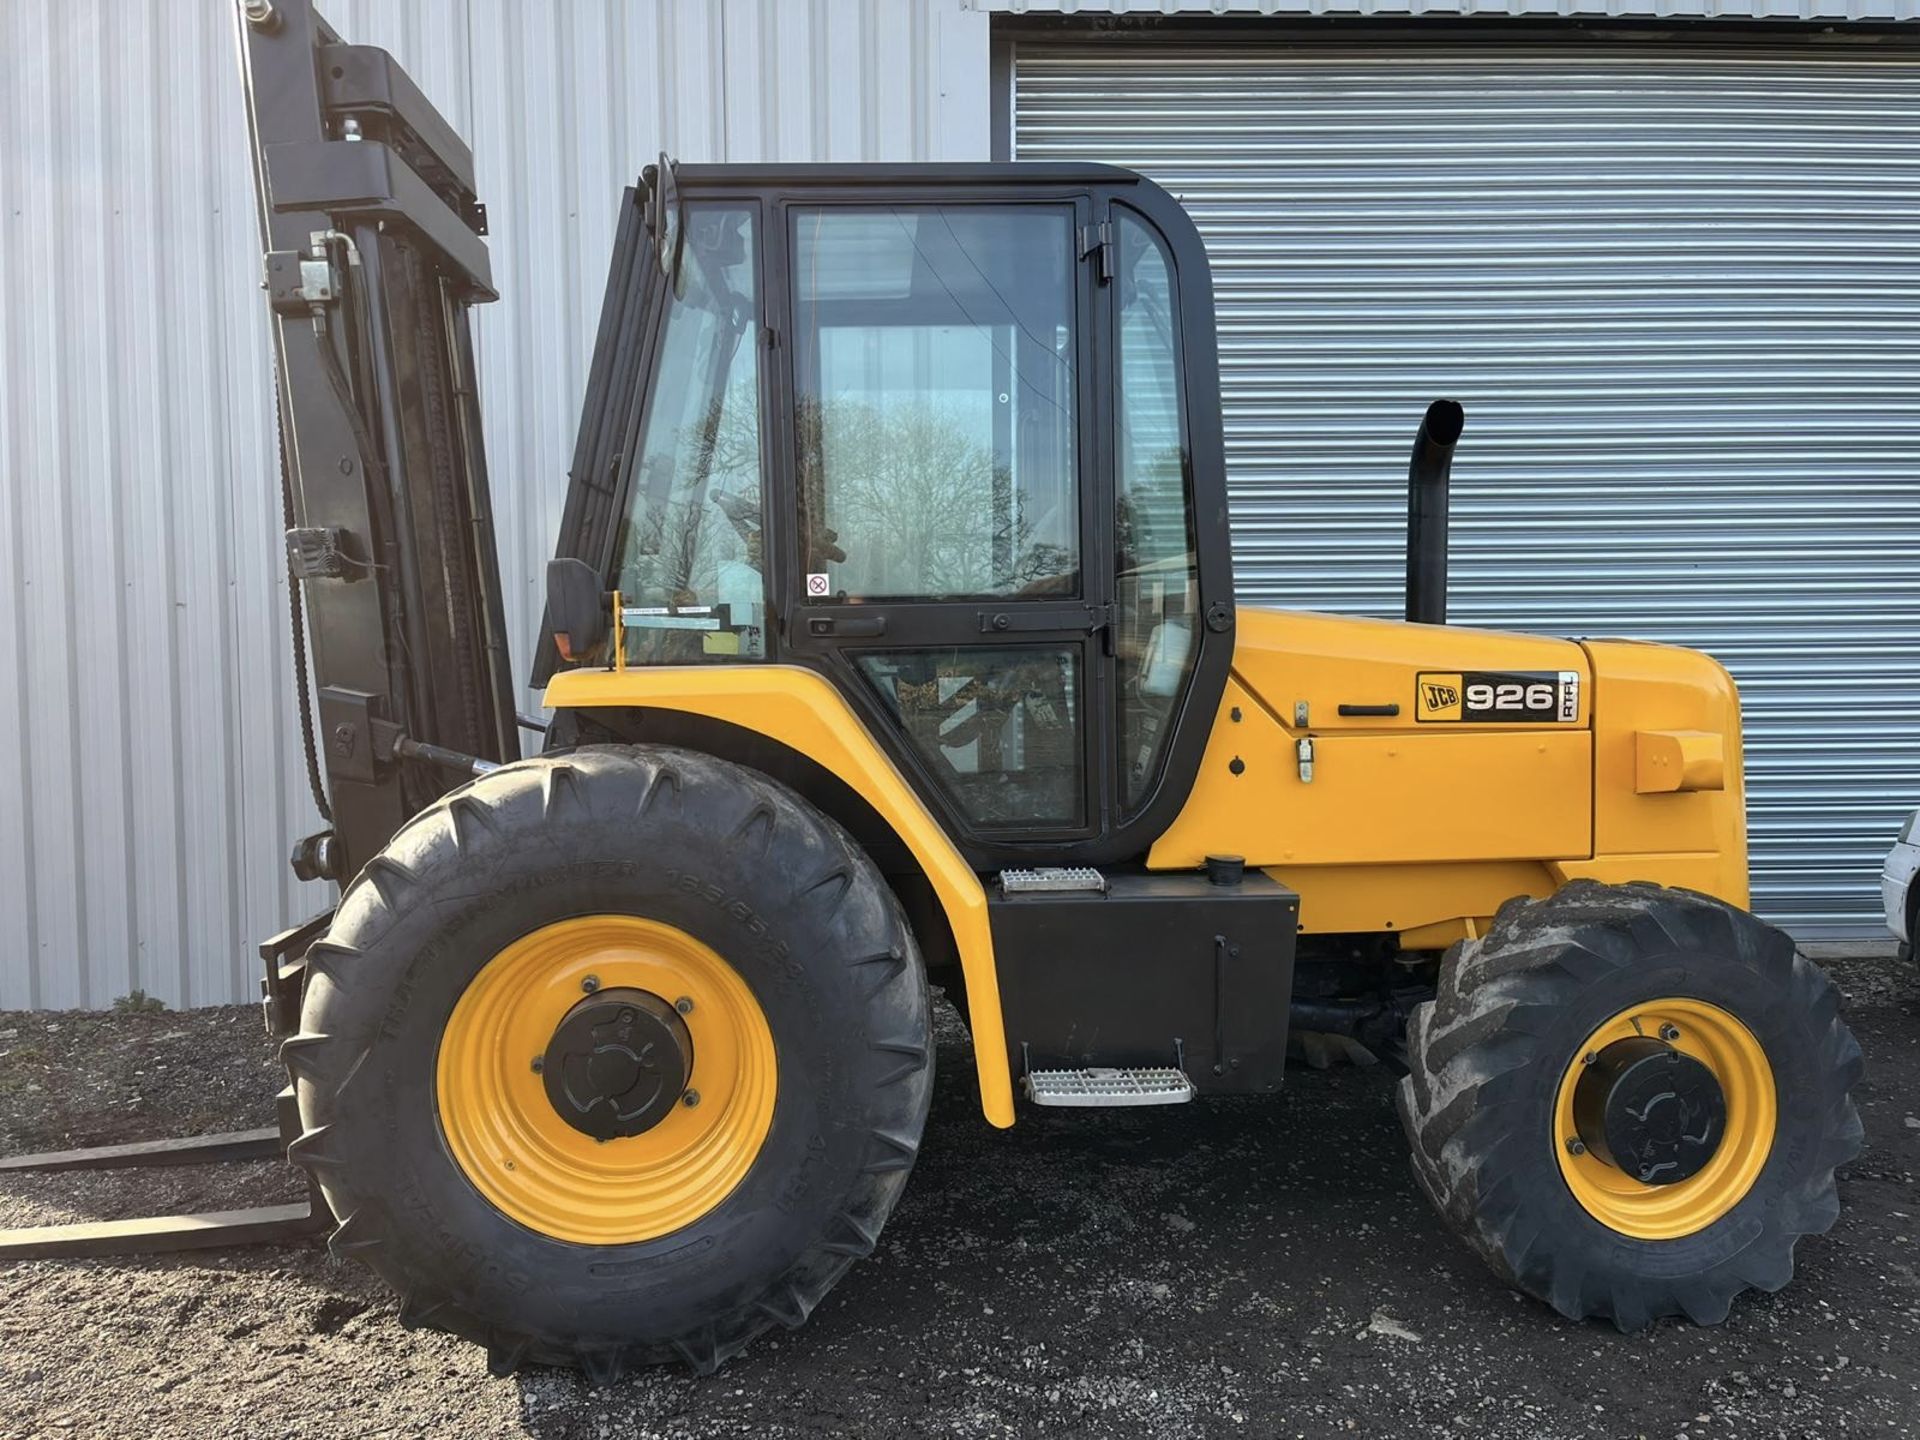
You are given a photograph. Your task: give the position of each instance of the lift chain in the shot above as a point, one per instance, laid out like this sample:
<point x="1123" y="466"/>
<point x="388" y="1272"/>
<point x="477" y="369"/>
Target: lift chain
<point x="298" y="615"/>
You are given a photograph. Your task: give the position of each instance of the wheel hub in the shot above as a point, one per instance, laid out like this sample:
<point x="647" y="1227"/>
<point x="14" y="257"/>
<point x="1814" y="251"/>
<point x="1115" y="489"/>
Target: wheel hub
<point x="618" y="1063"/>
<point x="1649" y="1110"/>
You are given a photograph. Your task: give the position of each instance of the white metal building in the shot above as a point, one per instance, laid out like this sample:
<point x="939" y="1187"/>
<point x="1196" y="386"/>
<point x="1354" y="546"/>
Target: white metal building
<point x="1667" y="252"/>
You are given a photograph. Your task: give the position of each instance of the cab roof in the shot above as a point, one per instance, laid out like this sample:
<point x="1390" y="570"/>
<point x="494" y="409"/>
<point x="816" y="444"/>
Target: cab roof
<point x="887" y="175"/>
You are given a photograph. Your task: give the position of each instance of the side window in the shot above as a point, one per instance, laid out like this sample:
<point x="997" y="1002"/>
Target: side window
<point x="690" y="562"/>
<point x="934" y="401"/>
<point x="1153" y="521"/>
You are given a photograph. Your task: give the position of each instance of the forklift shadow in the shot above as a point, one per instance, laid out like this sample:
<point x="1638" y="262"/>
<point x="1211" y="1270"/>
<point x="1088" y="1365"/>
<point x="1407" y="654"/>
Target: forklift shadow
<point x="1189" y="1152"/>
<point x="1093" y="1230"/>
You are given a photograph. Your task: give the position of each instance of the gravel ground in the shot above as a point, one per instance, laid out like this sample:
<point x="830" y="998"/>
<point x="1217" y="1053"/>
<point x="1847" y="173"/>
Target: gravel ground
<point x="1245" y="1267"/>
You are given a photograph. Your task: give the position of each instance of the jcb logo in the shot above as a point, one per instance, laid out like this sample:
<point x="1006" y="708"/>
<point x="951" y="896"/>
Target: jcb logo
<point x="1437" y="697"/>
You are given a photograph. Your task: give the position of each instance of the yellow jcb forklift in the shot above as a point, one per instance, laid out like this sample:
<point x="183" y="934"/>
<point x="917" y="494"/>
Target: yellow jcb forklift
<point x="891" y="643"/>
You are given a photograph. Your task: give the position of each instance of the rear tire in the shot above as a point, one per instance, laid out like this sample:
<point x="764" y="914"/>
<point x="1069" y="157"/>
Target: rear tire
<point x="729" y="858"/>
<point x="1514" y="1013"/>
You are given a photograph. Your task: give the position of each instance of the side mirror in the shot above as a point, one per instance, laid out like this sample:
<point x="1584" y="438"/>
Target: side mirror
<point x="665" y="221"/>
<point x="578" y="610"/>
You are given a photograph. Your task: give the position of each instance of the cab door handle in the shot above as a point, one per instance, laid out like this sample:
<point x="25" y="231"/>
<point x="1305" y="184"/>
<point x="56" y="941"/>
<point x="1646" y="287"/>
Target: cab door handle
<point x="865" y="627"/>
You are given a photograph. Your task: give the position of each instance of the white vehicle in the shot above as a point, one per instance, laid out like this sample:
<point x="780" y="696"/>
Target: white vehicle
<point x="1899" y="887"/>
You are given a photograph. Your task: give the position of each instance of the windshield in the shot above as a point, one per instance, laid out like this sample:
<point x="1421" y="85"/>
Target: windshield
<point x="690" y="557"/>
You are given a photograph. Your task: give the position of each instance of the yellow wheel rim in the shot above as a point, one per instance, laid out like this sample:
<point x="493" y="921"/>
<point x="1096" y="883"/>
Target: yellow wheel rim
<point x="527" y="1160"/>
<point x="1667" y="1212"/>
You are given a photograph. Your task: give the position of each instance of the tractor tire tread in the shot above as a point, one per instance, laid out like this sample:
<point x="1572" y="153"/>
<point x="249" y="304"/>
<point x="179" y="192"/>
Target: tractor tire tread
<point x="1493" y="996"/>
<point x="464" y="822"/>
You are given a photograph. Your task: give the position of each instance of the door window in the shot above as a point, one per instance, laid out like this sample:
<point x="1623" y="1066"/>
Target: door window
<point x="690" y="556"/>
<point x="934" y="402"/>
<point x="1155" y="607"/>
<point x="998" y="726"/>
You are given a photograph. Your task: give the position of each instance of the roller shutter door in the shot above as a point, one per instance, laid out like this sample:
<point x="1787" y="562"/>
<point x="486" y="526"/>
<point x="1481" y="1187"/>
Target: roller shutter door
<point x="1677" y="287"/>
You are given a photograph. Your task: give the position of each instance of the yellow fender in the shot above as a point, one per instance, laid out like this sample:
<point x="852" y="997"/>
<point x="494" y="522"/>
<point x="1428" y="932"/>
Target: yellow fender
<point x="800" y="709"/>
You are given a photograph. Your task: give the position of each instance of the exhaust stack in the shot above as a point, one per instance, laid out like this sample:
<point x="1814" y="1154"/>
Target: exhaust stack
<point x="1427" y="475"/>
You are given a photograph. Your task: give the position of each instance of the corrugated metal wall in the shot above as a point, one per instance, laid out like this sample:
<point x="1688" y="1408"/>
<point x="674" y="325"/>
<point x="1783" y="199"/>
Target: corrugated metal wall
<point x="150" y="782"/>
<point x="1678" y="292"/>
<point x="1677" y="287"/>
<point x="1844" y="11"/>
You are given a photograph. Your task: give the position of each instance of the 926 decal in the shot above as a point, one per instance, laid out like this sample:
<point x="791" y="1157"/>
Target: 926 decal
<point x="1497" y="697"/>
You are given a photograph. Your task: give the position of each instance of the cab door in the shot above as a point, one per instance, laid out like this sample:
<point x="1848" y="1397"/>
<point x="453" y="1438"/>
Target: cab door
<point x="991" y="479"/>
<point x="947" y="567"/>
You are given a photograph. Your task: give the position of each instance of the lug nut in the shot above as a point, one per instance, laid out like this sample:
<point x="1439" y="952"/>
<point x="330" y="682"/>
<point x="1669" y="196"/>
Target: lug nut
<point x="1589" y="1058"/>
<point x="1669" y="1032"/>
<point x="1576" y="1146"/>
<point x="684" y="1005"/>
<point x="590" y="984"/>
<point x="539" y="1063"/>
<point x="690" y="1099"/>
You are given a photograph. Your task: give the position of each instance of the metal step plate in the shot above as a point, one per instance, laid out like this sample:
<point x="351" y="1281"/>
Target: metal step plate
<point x="1052" y="879"/>
<point x="1161" y="1085"/>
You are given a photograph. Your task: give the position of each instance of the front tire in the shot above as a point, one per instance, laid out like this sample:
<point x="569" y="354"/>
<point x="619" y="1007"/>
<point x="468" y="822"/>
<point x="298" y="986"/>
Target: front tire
<point x="798" y="1072"/>
<point x="1555" y="988"/>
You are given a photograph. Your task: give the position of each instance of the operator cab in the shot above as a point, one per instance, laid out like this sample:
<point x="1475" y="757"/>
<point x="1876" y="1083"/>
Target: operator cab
<point x="953" y="443"/>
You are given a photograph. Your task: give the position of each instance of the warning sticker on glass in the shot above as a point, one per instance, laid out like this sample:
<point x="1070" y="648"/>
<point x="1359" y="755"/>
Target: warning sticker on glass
<point x="818" y="587"/>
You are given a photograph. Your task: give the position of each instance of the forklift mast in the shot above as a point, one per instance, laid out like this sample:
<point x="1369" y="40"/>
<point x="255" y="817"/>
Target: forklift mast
<point x="373" y="252"/>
